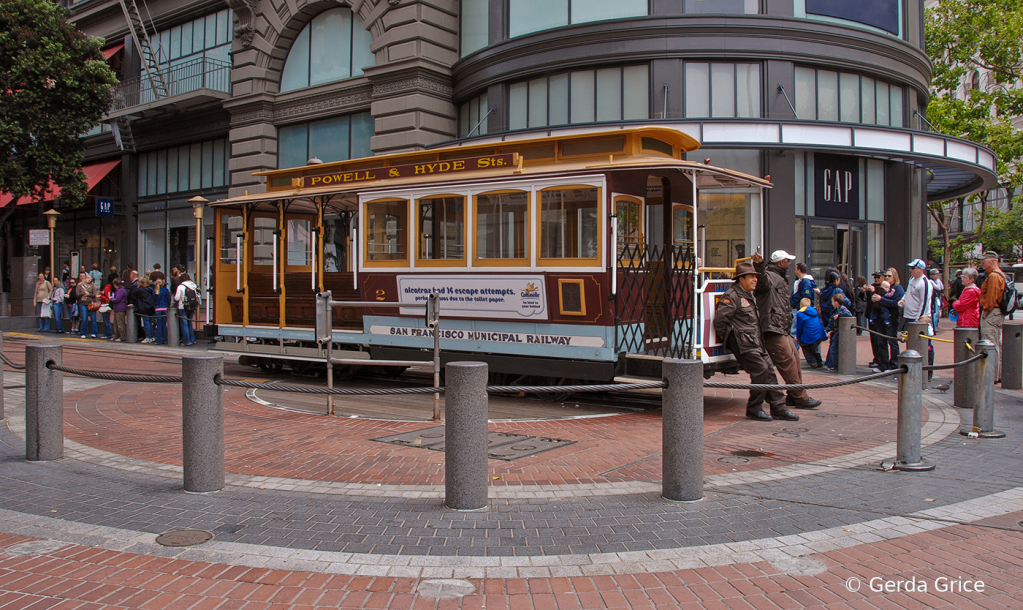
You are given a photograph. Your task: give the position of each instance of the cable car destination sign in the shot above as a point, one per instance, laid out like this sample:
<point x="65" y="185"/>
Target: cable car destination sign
<point x="428" y="168"/>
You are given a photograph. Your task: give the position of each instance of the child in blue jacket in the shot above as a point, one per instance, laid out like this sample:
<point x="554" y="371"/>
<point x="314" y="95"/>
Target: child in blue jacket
<point x="810" y="333"/>
<point x="839" y="310"/>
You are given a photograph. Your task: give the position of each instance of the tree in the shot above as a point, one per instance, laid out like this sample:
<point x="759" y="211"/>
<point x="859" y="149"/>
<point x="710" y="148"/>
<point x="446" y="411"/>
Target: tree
<point x="54" y="85"/>
<point x="967" y="39"/>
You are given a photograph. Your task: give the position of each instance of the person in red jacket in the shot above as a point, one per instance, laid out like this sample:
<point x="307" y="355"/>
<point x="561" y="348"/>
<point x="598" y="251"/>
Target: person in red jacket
<point x="968" y="303"/>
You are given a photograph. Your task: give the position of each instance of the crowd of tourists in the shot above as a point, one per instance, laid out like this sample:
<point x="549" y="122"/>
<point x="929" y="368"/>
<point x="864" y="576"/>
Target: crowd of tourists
<point x="93" y="305"/>
<point x="762" y="318"/>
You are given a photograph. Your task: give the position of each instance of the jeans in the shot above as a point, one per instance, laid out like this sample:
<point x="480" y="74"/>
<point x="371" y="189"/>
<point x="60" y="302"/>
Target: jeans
<point x="147" y="324"/>
<point x="58" y="314"/>
<point x="44" y="323"/>
<point x="107" y="326"/>
<point x="88" y="317"/>
<point x="832" y="360"/>
<point x="161" y="327"/>
<point x="185" y="321"/>
<point x="812" y="353"/>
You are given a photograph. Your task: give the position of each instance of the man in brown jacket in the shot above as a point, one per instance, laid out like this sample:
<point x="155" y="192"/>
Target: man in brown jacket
<point x="737" y="325"/>
<point x="773" y="292"/>
<point x="991" y="317"/>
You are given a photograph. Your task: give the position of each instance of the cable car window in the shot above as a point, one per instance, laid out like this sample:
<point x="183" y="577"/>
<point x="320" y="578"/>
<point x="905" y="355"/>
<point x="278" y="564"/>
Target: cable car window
<point x="263" y="241"/>
<point x="387" y="231"/>
<point x="299" y="243"/>
<point x="441" y="229"/>
<point x="682" y="221"/>
<point x="501" y="226"/>
<point x="569" y="223"/>
<point x="230" y="226"/>
<point x="630" y="228"/>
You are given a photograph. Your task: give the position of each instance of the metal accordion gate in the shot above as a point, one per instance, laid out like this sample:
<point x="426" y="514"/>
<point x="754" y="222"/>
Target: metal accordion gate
<point x="654" y="301"/>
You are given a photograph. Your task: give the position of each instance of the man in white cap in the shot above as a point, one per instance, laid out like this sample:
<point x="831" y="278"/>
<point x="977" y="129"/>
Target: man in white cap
<point x="772" y="294"/>
<point x="918" y="304"/>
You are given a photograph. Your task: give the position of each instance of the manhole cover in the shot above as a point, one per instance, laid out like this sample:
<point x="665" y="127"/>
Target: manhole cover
<point x="35" y="547"/>
<point x="748" y="453"/>
<point x="500" y="445"/>
<point x="734" y="460"/>
<point x="795" y="429"/>
<point x="786" y="434"/>
<point x="184" y="538"/>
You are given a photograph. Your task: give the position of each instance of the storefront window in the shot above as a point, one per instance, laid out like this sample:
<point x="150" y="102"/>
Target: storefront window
<point x="569" y="225"/>
<point x="387" y="231"/>
<point x="332" y="47"/>
<point x="501" y="226"/>
<point x="441" y="229"/>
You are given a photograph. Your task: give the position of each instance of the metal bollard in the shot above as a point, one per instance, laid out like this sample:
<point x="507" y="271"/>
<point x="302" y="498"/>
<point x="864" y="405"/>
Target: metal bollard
<point x="917" y="343"/>
<point x="465" y="436"/>
<point x="131" y="325"/>
<point x="963" y="385"/>
<point x="984" y="403"/>
<point x="202" y="423"/>
<point x="1012" y="355"/>
<point x="2" y="379"/>
<point x="173" y="332"/>
<point x="907" y="454"/>
<point x="682" y="431"/>
<point x="847" y="345"/>
<point x="44" y="404"/>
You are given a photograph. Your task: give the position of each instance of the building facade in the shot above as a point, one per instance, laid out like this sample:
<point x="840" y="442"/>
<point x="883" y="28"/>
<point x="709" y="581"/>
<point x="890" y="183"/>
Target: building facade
<point x="824" y="96"/>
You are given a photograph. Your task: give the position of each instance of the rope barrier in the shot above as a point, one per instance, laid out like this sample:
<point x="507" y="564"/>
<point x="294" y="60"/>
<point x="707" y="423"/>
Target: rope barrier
<point x="607" y="387"/>
<point x="11" y="364"/>
<point x="937" y="339"/>
<point x="874" y="332"/>
<point x="943" y="367"/>
<point x="803" y="386"/>
<point x="53" y="366"/>
<point x="325" y="391"/>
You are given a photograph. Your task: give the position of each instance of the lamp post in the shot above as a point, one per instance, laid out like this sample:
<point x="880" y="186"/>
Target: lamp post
<point x="51" y="222"/>
<point x="198" y="207"/>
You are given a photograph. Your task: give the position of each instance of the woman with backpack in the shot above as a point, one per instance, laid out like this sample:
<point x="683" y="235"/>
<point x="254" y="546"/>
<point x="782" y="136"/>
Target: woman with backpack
<point x="163" y="300"/>
<point x="187" y="298"/>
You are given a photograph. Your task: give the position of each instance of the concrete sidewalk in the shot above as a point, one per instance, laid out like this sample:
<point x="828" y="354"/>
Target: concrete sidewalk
<point x="319" y="514"/>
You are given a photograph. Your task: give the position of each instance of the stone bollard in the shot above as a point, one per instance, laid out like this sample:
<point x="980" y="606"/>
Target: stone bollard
<point x="682" y="431"/>
<point x="466" y="470"/>
<point x="44" y="404"/>
<point x="202" y="423"/>
<point x="963" y="386"/>
<point x="984" y="402"/>
<point x="131" y="325"/>
<point x="847" y="346"/>
<point x="917" y="343"/>
<point x="907" y="454"/>
<point x="173" y="331"/>
<point x="1012" y="355"/>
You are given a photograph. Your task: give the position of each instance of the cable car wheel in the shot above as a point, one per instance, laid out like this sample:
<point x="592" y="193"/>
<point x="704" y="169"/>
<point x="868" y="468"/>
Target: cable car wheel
<point x="270" y="367"/>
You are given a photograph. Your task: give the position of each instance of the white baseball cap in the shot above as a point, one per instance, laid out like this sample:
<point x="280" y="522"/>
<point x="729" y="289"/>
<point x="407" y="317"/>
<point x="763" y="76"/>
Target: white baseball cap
<point x="779" y="255"/>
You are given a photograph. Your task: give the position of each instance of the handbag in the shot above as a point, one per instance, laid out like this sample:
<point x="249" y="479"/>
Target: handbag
<point x="104" y="308"/>
<point x="93" y="306"/>
<point x="45" y="311"/>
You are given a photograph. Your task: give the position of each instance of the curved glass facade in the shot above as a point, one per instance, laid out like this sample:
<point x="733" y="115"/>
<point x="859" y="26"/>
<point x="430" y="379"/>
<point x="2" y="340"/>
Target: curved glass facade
<point x="528" y="16"/>
<point x="332" y="47"/>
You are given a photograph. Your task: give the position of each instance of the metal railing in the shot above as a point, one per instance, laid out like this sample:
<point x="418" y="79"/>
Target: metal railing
<point x="192" y="75"/>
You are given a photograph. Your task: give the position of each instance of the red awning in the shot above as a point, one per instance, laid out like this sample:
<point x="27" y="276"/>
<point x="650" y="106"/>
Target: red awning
<point x="93" y="174"/>
<point x="108" y="53"/>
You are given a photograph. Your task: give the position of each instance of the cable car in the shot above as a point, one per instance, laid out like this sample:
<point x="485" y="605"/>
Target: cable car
<point x="587" y="255"/>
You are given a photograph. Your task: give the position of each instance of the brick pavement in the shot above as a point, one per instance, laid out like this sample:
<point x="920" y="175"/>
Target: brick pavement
<point x="769" y="542"/>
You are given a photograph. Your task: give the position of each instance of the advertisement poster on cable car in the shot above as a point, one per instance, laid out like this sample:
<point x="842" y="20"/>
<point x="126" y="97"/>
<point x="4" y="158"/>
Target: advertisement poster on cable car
<point x="517" y="297"/>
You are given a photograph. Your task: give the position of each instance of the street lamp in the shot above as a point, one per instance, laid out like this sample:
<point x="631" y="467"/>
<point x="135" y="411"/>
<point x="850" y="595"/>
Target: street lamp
<point x="51" y="223"/>
<point x="198" y="208"/>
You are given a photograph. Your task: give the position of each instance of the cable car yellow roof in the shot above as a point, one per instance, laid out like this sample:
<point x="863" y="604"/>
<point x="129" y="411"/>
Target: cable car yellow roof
<point x="600" y="151"/>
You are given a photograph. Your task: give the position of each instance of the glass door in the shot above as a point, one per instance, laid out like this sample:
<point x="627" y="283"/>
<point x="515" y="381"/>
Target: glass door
<point x="838" y="245"/>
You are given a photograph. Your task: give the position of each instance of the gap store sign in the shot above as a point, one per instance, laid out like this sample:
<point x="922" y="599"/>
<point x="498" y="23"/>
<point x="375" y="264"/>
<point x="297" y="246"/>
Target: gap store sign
<point x="881" y="14"/>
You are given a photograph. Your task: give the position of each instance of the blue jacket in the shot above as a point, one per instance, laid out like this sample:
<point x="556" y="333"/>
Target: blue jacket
<point x="809" y="329"/>
<point x="890" y="307"/>
<point x="842" y="312"/>
<point x="805" y="290"/>
<point x="827" y="310"/>
<point x="163" y="298"/>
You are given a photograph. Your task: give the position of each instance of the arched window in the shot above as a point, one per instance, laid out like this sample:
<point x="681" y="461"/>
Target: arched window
<point x="332" y="47"/>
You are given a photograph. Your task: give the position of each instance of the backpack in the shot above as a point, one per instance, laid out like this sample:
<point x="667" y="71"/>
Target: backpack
<point x="191" y="299"/>
<point x="1009" y="298"/>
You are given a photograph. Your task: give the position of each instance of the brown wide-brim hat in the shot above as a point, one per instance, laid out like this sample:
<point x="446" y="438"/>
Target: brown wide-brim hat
<point x="744" y="269"/>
